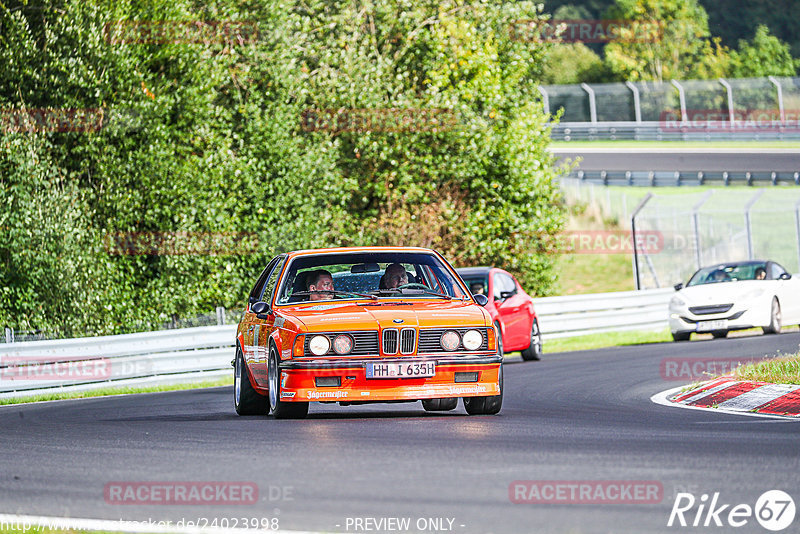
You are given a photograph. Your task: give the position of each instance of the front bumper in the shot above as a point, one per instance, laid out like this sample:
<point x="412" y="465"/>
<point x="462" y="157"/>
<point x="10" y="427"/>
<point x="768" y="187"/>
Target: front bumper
<point x="681" y="320"/>
<point x="298" y="380"/>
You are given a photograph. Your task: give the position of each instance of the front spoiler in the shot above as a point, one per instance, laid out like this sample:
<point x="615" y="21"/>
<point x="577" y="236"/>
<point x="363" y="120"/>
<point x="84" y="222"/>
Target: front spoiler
<point x="298" y="380"/>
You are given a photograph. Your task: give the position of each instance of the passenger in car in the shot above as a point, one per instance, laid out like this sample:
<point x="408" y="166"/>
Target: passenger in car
<point x="761" y="273"/>
<point x="320" y="282"/>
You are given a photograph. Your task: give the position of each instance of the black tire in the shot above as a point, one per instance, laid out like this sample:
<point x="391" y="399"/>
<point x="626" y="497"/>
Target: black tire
<point x="499" y="335"/>
<point x="440" y="405"/>
<point x="534" y="351"/>
<point x="485" y="405"/>
<point x="774" y="318"/>
<point x="246" y="400"/>
<point x="278" y="408"/>
<point x="681" y="336"/>
<point x="719" y="334"/>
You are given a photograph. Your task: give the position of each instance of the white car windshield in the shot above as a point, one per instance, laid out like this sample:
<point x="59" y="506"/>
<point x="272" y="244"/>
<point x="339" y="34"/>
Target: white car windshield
<point x="372" y="275"/>
<point x="730" y="272"/>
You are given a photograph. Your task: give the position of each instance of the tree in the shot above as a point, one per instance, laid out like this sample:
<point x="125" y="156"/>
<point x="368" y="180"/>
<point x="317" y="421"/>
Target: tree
<point x="669" y="39"/>
<point x="765" y="55"/>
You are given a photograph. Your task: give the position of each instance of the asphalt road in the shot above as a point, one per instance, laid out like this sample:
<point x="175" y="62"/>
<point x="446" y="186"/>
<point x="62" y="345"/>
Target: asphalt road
<point x="683" y="159"/>
<point x="572" y="416"/>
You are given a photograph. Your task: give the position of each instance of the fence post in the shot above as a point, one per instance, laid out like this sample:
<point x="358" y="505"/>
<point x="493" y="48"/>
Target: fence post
<point x="637" y="105"/>
<point x="778" y="87"/>
<point x="220" y="315"/>
<point x="797" y="223"/>
<point x="729" y="90"/>
<point x="9" y="335"/>
<point x="696" y="227"/>
<point x="682" y="96"/>
<point x="748" y="224"/>
<point x="592" y="102"/>
<point x="545" y="99"/>
<point x="636" y="211"/>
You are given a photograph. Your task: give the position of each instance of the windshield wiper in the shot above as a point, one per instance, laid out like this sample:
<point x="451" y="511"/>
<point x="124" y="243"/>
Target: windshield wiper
<point x="336" y="292"/>
<point x="413" y="291"/>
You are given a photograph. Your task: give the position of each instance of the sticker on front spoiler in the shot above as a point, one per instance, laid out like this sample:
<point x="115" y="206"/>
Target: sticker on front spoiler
<point x="287" y="394"/>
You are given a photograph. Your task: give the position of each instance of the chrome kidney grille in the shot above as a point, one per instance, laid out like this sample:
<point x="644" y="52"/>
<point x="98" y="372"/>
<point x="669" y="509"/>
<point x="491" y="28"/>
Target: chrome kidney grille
<point x="405" y="340"/>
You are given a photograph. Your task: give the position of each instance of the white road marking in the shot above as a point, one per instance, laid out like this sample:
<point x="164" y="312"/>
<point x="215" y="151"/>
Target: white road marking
<point x="756" y="397"/>
<point x="708" y="392"/>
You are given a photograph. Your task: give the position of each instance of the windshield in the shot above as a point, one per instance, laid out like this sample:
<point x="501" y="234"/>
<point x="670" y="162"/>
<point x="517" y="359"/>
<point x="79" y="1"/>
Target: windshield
<point x="373" y="275"/>
<point x="477" y="284"/>
<point x="729" y="272"/>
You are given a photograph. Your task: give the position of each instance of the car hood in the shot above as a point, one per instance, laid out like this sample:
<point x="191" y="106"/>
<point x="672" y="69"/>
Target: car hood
<point x="337" y="316"/>
<point x="722" y="292"/>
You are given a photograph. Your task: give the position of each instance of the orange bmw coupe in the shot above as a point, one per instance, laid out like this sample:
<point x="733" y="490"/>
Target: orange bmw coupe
<point x="363" y="325"/>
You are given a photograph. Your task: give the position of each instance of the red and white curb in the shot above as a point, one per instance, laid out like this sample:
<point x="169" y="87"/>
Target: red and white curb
<point x="736" y="396"/>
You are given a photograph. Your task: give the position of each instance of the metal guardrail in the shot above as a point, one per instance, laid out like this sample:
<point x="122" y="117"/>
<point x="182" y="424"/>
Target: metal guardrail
<point x="191" y="354"/>
<point x="578" y="315"/>
<point x="162" y="357"/>
<point x="692" y="178"/>
<point x="656" y="131"/>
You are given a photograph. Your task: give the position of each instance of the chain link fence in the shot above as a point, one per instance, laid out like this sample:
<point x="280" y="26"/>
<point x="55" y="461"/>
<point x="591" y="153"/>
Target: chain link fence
<point x="750" y="108"/>
<point x="697" y="229"/>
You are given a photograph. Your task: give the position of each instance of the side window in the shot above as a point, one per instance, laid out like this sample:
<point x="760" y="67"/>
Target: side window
<point x="508" y="283"/>
<point x="775" y="271"/>
<point x="255" y="294"/>
<point x="497" y="286"/>
<point x="272" y="281"/>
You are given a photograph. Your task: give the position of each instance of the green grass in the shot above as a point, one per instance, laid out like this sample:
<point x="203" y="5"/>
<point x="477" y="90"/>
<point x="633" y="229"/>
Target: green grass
<point x="780" y="370"/>
<point x="675" y="144"/>
<point x="610" y="339"/>
<point x="103" y="392"/>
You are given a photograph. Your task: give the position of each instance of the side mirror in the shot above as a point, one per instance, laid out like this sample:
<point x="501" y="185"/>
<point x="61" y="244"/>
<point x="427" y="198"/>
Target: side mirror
<point x="480" y="299"/>
<point x="678" y="287"/>
<point x="259" y="307"/>
<point x="786" y="276"/>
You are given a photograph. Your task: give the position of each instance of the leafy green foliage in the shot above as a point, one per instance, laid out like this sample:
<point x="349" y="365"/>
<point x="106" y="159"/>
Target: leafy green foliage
<point x="208" y="137"/>
<point x="765" y="55"/>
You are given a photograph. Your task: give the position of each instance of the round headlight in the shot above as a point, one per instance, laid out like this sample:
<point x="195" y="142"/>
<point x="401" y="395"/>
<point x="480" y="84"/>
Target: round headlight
<point x="472" y="340"/>
<point x="319" y="345"/>
<point x="343" y="344"/>
<point x="450" y="340"/>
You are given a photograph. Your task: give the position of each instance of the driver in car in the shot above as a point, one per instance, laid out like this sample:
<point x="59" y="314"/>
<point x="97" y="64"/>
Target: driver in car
<point x="395" y="276"/>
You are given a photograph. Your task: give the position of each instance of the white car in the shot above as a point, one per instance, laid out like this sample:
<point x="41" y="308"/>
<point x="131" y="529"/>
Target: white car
<point x="735" y="296"/>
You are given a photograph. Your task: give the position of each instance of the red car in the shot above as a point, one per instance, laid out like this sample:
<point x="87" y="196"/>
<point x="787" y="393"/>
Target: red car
<point x="510" y="307"/>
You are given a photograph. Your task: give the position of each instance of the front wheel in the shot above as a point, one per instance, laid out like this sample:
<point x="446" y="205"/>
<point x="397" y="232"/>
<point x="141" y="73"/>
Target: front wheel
<point x="774" y="318"/>
<point x="534" y="351"/>
<point x="485" y="405"/>
<point x="246" y="400"/>
<point x="280" y="409"/>
<point x="681" y="336"/>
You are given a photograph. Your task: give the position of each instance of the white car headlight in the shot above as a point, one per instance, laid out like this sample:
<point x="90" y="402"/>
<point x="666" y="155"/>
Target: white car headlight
<point x="472" y="340"/>
<point x="319" y="345"/>
<point x="450" y="340"/>
<point x="343" y="344"/>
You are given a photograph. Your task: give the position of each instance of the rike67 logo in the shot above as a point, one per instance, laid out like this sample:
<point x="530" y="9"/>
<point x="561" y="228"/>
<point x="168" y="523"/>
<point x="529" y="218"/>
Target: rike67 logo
<point x="774" y="510"/>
